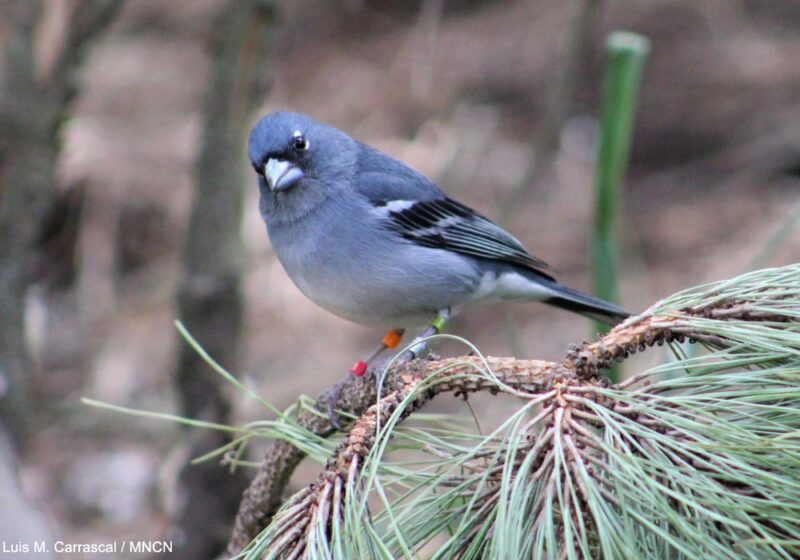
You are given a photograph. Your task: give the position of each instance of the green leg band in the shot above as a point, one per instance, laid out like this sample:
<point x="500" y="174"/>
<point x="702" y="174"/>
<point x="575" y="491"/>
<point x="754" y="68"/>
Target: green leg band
<point x="439" y="324"/>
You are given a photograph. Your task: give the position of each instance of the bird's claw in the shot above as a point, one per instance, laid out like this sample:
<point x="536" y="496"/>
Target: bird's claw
<point x="332" y="417"/>
<point x="331" y="398"/>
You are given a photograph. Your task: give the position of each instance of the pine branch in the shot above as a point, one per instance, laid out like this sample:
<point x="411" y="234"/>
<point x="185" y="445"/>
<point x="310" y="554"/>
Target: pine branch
<point x="559" y="450"/>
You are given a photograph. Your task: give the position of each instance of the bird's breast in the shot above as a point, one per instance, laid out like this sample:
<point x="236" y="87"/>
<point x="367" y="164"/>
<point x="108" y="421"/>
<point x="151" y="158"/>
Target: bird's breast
<point x="331" y="266"/>
<point x="363" y="273"/>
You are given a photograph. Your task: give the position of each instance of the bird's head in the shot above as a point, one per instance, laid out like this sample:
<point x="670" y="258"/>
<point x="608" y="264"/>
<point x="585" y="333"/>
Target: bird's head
<point x="290" y="151"/>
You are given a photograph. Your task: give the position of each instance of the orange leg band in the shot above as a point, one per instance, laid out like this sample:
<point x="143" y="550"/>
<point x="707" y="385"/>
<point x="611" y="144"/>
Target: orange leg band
<point x="392" y="339"/>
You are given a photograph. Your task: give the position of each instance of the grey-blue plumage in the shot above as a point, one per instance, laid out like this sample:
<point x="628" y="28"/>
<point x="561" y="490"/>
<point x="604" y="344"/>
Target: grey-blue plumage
<point x="374" y="241"/>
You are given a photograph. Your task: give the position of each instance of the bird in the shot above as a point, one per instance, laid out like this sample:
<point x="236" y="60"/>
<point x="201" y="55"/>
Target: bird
<point x="375" y="242"/>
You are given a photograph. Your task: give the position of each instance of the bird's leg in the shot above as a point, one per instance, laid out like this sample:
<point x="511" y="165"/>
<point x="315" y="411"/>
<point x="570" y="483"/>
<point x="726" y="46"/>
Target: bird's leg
<point x="389" y="342"/>
<point x="419" y="344"/>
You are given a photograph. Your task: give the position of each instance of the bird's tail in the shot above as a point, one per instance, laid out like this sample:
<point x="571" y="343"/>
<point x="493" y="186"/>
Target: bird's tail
<point x="584" y="304"/>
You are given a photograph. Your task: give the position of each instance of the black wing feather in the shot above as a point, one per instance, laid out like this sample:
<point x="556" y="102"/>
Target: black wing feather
<point x="443" y="223"/>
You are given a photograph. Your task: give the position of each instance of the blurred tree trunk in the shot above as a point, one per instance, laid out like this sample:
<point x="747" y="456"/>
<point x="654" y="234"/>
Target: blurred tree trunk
<point x="209" y="298"/>
<point x="35" y="95"/>
<point x="20" y="518"/>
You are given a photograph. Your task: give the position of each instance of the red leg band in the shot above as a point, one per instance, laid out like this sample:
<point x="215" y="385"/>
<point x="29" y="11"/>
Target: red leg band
<point x="359" y="368"/>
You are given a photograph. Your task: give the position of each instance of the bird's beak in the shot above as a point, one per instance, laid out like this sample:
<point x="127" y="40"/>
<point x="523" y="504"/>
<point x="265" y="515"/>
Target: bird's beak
<point x="281" y="174"/>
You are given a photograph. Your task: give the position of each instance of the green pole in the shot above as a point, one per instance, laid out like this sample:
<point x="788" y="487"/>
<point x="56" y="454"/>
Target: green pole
<point x="625" y="54"/>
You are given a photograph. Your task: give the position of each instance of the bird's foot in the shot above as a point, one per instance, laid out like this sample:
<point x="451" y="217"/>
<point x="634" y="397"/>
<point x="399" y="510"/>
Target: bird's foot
<point x="332" y="399"/>
<point x="368" y="389"/>
<point x="390" y="341"/>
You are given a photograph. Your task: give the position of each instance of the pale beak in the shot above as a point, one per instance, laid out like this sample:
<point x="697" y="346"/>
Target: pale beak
<point x="281" y="174"/>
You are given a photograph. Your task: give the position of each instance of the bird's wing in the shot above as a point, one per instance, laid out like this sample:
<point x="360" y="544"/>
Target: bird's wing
<point x="415" y="208"/>
<point x="443" y="223"/>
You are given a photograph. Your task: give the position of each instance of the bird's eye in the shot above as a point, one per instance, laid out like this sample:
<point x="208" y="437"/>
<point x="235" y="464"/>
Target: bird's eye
<point x="299" y="142"/>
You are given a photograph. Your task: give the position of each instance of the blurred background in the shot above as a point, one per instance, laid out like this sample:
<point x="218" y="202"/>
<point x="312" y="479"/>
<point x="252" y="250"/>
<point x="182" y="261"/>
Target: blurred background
<point x="126" y="202"/>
